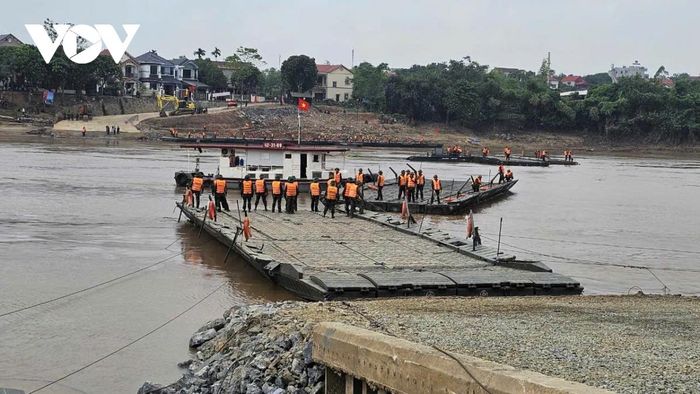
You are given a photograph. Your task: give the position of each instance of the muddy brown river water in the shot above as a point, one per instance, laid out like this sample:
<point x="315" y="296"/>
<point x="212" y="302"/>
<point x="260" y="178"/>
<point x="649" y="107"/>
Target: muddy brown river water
<point x="75" y="215"/>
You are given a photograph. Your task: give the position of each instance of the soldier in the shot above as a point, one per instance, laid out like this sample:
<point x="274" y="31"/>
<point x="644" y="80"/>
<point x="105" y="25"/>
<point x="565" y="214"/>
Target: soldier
<point x="437" y="188"/>
<point x="380" y="186"/>
<point x="247" y="193"/>
<point x="277" y="195"/>
<point x="260" y="193"/>
<point x="220" y="193"/>
<point x="331" y="199"/>
<point x="420" y="184"/>
<point x="291" y="190"/>
<point x="401" y="180"/>
<point x="350" y="196"/>
<point x="315" y="192"/>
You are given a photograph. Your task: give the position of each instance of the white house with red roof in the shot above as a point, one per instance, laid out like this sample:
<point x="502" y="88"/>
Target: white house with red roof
<point x="334" y="83"/>
<point x="574" y="81"/>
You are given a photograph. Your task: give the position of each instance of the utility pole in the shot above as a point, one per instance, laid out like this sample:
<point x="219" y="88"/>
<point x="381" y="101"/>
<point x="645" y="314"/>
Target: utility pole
<point x="498" y="250"/>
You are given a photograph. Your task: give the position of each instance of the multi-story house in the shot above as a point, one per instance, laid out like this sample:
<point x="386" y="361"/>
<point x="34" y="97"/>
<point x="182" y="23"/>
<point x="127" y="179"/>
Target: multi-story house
<point x="334" y="83"/>
<point x="157" y="75"/>
<point x="187" y="73"/>
<point x="9" y="40"/>
<point x="636" y="69"/>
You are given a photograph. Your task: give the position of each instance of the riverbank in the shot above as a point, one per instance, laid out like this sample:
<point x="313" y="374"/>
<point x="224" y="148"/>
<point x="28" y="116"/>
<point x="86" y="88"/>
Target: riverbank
<point x="274" y="122"/>
<point x="626" y="344"/>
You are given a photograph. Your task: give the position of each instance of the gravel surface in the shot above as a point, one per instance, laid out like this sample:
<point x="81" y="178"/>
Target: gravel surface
<point x="633" y="344"/>
<point x="628" y="344"/>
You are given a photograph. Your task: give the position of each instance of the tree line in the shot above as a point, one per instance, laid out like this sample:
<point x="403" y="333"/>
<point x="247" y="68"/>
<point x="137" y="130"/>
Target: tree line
<point x="466" y="93"/>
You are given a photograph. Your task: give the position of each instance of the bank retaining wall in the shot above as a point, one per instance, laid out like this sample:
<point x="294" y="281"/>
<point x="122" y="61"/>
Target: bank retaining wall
<point x="370" y="362"/>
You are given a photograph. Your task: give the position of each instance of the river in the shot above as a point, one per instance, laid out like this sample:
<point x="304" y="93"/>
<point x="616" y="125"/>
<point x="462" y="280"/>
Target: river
<point x="79" y="214"/>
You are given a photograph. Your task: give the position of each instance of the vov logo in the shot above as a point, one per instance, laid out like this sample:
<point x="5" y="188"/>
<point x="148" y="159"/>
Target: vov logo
<point x="68" y="36"/>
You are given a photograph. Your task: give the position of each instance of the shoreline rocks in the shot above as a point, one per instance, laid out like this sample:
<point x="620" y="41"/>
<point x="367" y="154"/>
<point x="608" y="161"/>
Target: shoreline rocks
<point x="254" y="349"/>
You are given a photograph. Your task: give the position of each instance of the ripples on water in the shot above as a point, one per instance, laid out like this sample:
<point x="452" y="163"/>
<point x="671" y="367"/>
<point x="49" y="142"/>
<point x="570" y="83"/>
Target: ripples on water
<point x="73" y="216"/>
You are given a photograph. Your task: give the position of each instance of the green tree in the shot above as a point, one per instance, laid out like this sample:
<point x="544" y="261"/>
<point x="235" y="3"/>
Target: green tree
<point x="200" y="53"/>
<point x="210" y="74"/>
<point x="597" y="79"/>
<point x="216" y="53"/>
<point x="270" y="83"/>
<point x="299" y="73"/>
<point x="369" y="83"/>
<point x="245" y="77"/>
<point x="246" y="55"/>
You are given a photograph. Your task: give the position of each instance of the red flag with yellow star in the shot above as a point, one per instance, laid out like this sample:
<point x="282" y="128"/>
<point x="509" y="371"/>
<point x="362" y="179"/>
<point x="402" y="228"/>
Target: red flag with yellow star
<point x="303" y="105"/>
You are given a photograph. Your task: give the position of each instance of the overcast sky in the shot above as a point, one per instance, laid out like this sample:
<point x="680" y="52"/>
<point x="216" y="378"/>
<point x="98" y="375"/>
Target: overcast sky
<point x="583" y="37"/>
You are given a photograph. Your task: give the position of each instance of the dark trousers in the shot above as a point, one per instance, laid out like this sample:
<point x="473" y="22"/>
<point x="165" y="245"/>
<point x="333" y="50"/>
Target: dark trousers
<point x="476" y="241"/>
<point x="380" y="196"/>
<point x="314" y="203"/>
<point x="290" y="204"/>
<point x="501" y="177"/>
<point x="411" y="194"/>
<point x="277" y="200"/>
<point x="419" y="190"/>
<point x="220" y="201"/>
<point x="402" y="191"/>
<point x="475" y="188"/>
<point x="350" y="207"/>
<point x="436" y="194"/>
<point x="196" y="197"/>
<point x="258" y="196"/>
<point x="247" y="201"/>
<point x="330" y="206"/>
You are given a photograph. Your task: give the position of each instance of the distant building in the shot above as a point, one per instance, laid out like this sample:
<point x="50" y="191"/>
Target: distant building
<point x="130" y="73"/>
<point x="553" y="82"/>
<point x="334" y="83"/>
<point x="227" y="69"/>
<point x="574" y="81"/>
<point x="506" y="71"/>
<point x="157" y="75"/>
<point x="187" y="73"/>
<point x="9" y="40"/>
<point x="636" y="69"/>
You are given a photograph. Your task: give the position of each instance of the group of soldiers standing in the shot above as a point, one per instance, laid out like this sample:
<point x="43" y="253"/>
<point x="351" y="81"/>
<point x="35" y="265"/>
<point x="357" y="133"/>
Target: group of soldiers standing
<point x="410" y="183"/>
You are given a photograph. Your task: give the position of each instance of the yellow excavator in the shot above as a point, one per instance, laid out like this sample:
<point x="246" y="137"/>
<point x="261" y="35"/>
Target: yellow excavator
<point x="171" y="105"/>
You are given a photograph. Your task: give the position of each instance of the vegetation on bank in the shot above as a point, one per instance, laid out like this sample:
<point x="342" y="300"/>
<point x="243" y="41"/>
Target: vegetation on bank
<point x="467" y="94"/>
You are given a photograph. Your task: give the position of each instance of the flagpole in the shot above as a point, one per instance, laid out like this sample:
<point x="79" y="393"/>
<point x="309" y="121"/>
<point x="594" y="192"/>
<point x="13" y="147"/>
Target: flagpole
<point x="299" y="119"/>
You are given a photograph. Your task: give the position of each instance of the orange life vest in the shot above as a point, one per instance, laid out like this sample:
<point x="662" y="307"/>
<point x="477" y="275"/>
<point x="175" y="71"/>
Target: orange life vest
<point x="220" y="186"/>
<point x="501" y="169"/>
<point x="315" y="189"/>
<point x="380" y="180"/>
<point x="197" y="183"/>
<point x="402" y="180"/>
<point x="248" y="187"/>
<point x="477" y="181"/>
<point x="337" y="178"/>
<point x="276" y="188"/>
<point x="420" y="180"/>
<point x="291" y="189"/>
<point x="436" y="184"/>
<point x="351" y="190"/>
<point x="411" y="182"/>
<point x="360" y="177"/>
<point x="331" y="193"/>
<point x="260" y="186"/>
<point x="509" y="175"/>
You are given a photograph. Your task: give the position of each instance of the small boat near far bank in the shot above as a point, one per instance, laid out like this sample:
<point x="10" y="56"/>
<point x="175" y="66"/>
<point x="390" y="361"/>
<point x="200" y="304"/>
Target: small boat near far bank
<point x="270" y="161"/>
<point x="439" y="155"/>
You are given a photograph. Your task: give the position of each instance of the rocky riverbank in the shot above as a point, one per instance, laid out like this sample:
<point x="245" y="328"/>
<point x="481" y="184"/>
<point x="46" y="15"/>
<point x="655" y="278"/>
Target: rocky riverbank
<point x="627" y="344"/>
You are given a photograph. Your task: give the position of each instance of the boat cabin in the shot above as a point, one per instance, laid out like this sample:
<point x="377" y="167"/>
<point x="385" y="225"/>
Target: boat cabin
<point x="272" y="160"/>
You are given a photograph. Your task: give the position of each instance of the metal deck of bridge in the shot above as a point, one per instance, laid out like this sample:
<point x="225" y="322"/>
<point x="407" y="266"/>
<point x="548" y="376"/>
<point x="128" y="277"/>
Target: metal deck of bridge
<point x="374" y="255"/>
